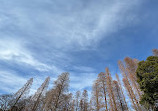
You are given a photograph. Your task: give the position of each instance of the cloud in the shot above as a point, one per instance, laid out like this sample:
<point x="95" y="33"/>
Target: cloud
<point x="75" y="24"/>
<point x="15" y="52"/>
<point x="45" y="34"/>
<point x="10" y="82"/>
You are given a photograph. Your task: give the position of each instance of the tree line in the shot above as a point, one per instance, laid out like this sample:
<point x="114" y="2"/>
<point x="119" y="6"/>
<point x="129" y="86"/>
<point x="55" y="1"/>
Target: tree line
<point x="139" y="81"/>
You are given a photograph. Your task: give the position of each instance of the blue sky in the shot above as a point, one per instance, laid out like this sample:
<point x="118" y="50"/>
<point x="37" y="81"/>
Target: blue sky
<point x="40" y="38"/>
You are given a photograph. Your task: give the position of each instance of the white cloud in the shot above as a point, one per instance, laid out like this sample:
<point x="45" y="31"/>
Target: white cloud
<point x="74" y="24"/>
<point x="55" y="28"/>
<point x="14" y="51"/>
<point x="10" y="82"/>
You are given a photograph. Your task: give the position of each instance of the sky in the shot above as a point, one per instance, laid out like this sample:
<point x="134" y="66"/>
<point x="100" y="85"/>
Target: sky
<point x="40" y="38"/>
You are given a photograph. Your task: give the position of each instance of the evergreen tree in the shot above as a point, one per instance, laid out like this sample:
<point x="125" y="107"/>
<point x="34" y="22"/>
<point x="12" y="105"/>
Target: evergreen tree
<point x="147" y="74"/>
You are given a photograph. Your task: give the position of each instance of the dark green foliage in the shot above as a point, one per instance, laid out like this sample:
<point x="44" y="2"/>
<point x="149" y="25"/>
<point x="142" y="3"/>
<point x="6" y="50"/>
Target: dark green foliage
<point x="147" y="75"/>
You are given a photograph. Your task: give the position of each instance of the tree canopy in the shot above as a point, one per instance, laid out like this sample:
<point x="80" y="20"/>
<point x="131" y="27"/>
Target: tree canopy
<point x="147" y="74"/>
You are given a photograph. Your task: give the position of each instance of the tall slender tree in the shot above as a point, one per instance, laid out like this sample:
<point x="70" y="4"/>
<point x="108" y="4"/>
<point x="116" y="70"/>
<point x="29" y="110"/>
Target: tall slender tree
<point x="72" y="103"/>
<point x="84" y="100"/>
<point x="97" y="97"/>
<point x="128" y="86"/>
<point x="77" y="98"/>
<point x="23" y="92"/>
<point x="119" y="83"/>
<point x="40" y="92"/>
<point x="110" y="91"/>
<point x="130" y="93"/>
<point x="67" y="103"/>
<point x="102" y="81"/>
<point x="131" y="67"/>
<point x="121" y="105"/>
<point x="48" y="100"/>
<point x="60" y="89"/>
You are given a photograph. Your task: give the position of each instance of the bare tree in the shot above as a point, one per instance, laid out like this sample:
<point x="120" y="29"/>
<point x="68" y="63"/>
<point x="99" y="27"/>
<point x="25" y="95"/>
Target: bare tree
<point x="84" y="101"/>
<point x="130" y="93"/>
<point x="48" y="100"/>
<point x="67" y="104"/>
<point x="23" y="92"/>
<point x="155" y="52"/>
<point x="131" y="67"/>
<point x="121" y="106"/>
<point x="91" y="107"/>
<point x="77" y="98"/>
<point x="81" y="105"/>
<point x="102" y="81"/>
<point x="71" y="103"/>
<point x="40" y="92"/>
<point x="4" y="102"/>
<point x="57" y="94"/>
<point x="97" y="97"/>
<point x="110" y="91"/>
<point x="119" y="83"/>
<point x="128" y="86"/>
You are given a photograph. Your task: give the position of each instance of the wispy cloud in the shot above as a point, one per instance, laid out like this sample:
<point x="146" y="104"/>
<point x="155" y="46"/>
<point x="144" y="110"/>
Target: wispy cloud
<point x="75" y="23"/>
<point x="10" y="82"/>
<point x="13" y="51"/>
<point x="45" y="34"/>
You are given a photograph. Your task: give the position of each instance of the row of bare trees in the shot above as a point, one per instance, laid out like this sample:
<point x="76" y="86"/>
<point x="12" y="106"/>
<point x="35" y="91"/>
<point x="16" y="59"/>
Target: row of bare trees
<point x="107" y="94"/>
<point x="55" y="99"/>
